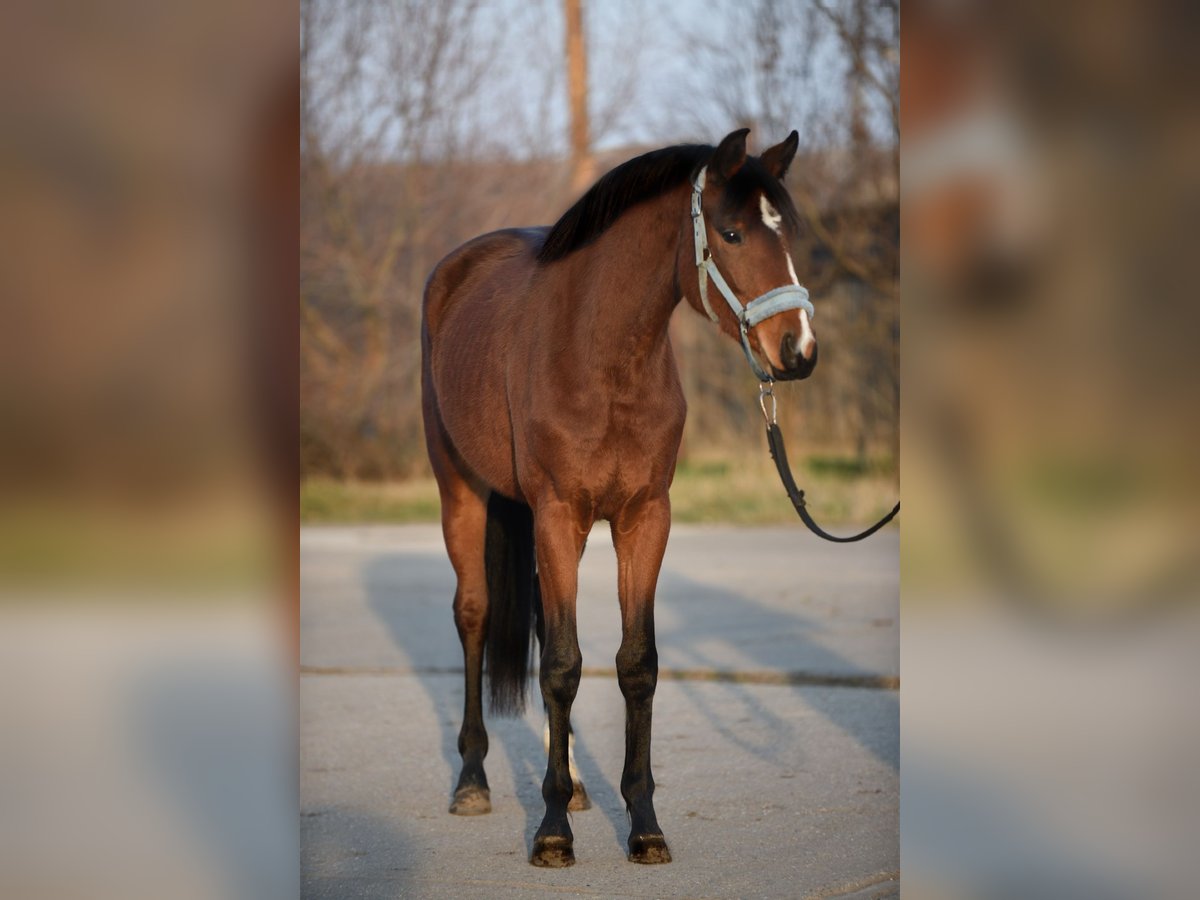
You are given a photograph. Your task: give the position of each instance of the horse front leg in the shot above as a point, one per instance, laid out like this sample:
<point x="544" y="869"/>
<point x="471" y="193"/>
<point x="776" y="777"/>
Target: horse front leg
<point x="640" y="539"/>
<point x="558" y="540"/>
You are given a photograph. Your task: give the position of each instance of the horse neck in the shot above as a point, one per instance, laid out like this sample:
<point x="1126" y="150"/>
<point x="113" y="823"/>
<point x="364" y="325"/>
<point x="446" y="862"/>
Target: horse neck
<point x="627" y="285"/>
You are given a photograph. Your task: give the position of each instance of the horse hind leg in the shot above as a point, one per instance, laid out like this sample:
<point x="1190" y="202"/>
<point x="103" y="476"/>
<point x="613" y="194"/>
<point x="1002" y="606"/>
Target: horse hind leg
<point x="464" y="526"/>
<point x="464" y="532"/>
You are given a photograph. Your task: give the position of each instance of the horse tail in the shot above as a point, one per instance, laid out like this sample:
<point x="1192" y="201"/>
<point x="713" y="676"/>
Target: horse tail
<point x="514" y="602"/>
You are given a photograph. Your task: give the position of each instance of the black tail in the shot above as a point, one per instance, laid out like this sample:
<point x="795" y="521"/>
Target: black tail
<point x="513" y="602"/>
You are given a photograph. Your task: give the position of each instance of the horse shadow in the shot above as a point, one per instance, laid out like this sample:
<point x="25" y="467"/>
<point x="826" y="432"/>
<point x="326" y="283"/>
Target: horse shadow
<point x="432" y="647"/>
<point x="730" y="703"/>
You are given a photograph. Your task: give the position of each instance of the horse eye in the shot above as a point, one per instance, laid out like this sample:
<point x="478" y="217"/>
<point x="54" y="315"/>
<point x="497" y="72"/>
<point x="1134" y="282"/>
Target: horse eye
<point x="731" y="237"/>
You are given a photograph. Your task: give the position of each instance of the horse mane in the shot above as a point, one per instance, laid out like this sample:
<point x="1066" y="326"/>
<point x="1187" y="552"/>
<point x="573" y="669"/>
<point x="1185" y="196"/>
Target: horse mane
<point x="644" y="178"/>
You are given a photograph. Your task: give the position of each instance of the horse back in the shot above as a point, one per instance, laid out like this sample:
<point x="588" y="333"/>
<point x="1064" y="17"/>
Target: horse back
<point x="464" y="270"/>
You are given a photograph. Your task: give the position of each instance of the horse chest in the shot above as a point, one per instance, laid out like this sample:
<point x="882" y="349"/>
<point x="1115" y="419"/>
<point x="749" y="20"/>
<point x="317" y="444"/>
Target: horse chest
<point x="612" y="453"/>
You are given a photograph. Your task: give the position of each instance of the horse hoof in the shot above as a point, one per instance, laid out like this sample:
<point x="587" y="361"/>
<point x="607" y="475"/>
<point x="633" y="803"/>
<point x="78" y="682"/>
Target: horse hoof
<point x="580" y="799"/>
<point x="471" y="801"/>
<point x="552" y="852"/>
<point x="649" y="849"/>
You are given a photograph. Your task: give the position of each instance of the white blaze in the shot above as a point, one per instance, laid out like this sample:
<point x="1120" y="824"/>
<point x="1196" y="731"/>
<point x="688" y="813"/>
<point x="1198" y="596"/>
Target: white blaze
<point x="806" y="336"/>
<point x="773" y="219"/>
<point x="792" y="269"/>
<point x="807" y="339"/>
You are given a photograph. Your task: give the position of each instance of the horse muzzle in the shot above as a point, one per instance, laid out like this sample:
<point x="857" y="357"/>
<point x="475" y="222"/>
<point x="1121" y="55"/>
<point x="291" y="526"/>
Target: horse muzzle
<point x="798" y="357"/>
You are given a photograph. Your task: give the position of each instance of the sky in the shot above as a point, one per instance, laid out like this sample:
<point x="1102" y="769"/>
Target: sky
<point x="659" y="72"/>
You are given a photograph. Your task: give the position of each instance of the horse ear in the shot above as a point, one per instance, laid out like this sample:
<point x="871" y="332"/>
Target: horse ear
<point x="729" y="155"/>
<point x="777" y="159"/>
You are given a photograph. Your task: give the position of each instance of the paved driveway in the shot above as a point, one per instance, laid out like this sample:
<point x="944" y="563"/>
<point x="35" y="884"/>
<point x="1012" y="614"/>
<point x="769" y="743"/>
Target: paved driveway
<point x="776" y="741"/>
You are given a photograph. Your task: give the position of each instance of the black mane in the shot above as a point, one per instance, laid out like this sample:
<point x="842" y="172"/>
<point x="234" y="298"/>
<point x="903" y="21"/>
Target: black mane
<point x="644" y="178"/>
<point x="635" y="181"/>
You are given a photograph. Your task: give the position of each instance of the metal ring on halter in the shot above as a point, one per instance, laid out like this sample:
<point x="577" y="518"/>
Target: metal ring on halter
<point x="764" y="391"/>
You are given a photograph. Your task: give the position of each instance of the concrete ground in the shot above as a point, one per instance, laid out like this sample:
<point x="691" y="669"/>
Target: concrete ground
<point x="776" y="732"/>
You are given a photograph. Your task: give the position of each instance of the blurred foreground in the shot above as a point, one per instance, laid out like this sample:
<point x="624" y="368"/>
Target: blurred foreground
<point x="147" y="444"/>
<point x="1050" y="555"/>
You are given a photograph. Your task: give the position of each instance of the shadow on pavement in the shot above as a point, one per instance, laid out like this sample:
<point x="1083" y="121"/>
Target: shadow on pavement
<point x="384" y="580"/>
<point x="409" y="589"/>
<point x="337" y="842"/>
<point x="739" y="705"/>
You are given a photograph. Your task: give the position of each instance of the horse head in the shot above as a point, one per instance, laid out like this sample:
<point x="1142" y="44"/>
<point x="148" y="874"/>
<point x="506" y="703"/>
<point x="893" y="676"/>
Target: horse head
<point x="744" y="222"/>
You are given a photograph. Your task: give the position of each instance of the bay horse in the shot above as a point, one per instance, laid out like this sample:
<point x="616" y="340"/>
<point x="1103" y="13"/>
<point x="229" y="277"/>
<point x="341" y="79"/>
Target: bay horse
<point x="551" y="400"/>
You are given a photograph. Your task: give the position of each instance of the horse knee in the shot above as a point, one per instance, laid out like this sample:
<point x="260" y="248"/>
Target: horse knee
<point x="637" y="671"/>
<point x="560" y="673"/>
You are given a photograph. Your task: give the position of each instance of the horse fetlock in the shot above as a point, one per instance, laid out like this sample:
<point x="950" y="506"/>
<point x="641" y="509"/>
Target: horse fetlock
<point x="472" y="741"/>
<point x="579" y="798"/>
<point x="638" y="791"/>
<point x="557" y="788"/>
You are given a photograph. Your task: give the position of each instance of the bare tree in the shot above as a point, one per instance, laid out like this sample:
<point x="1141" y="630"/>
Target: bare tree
<point x="381" y="84"/>
<point x="830" y="69"/>
<point x="425" y="124"/>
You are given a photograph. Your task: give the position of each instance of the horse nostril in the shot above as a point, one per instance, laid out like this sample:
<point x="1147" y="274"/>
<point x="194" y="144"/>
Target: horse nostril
<point x="802" y="348"/>
<point x="791" y="354"/>
<point x="787" y="351"/>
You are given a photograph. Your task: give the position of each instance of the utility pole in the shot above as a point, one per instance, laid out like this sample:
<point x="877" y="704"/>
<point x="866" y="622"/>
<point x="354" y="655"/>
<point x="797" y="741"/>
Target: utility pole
<point x="582" y="165"/>
<point x="856" y="35"/>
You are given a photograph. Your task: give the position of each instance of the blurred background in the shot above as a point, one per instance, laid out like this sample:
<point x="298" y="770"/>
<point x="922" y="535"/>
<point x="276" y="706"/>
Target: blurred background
<point x="424" y="125"/>
<point x="147" y="449"/>
<point x="210" y="209"/>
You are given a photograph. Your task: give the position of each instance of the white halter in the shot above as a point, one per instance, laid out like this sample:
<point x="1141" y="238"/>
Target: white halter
<point x="780" y="299"/>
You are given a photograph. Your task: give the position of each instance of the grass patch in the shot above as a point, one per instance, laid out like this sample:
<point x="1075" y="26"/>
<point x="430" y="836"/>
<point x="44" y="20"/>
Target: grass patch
<point x="734" y="491"/>
<point x="712" y="468"/>
<point x="748" y="492"/>
<point x="326" y="501"/>
<point x="849" y="468"/>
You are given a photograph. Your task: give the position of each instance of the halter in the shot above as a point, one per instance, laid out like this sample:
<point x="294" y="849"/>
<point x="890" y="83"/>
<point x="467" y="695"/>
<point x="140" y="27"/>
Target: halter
<point x="761" y="308"/>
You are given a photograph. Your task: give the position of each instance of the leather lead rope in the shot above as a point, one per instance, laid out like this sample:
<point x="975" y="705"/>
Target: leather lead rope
<point x="795" y="494"/>
<point x="775" y="441"/>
